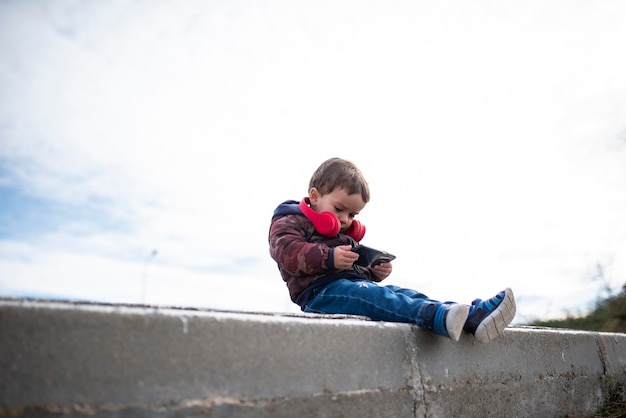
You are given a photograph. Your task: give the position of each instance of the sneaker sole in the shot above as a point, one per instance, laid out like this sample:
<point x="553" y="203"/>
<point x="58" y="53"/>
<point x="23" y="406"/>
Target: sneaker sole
<point x="457" y="315"/>
<point x="492" y="326"/>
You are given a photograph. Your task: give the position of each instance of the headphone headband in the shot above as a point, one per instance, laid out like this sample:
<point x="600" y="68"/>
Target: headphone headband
<point x="328" y="224"/>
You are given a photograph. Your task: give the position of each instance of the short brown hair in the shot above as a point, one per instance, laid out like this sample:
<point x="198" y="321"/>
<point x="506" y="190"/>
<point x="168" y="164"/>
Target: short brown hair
<point x="337" y="172"/>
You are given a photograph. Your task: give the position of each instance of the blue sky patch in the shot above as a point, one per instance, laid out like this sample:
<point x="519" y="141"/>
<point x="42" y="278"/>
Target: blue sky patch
<point x="23" y="216"/>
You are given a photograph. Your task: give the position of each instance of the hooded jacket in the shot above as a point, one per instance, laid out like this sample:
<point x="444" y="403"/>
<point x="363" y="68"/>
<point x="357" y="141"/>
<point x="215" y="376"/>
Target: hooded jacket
<point x="304" y="256"/>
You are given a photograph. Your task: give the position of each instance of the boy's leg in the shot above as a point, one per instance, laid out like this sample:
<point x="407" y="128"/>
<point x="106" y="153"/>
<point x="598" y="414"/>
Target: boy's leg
<point x="390" y="303"/>
<point x="407" y="292"/>
<point x="488" y="318"/>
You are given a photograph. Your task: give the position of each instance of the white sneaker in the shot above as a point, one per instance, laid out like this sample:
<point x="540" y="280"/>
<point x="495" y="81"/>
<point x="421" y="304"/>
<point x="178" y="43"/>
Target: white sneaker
<point x="456" y="315"/>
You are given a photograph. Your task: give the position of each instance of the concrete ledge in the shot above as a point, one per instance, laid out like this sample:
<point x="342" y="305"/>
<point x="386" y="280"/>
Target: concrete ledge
<point x="79" y="359"/>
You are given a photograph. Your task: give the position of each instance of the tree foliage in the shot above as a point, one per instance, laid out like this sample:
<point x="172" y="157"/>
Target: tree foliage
<point x="609" y="315"/>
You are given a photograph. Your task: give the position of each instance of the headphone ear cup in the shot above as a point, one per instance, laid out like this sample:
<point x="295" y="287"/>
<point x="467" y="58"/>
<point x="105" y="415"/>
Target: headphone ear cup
<point x="325" y="223"/>
<point x="356" y="230"/>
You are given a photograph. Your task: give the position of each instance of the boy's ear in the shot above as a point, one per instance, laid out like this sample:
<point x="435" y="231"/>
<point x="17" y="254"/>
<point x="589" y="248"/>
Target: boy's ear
<point x="314" y="195"/>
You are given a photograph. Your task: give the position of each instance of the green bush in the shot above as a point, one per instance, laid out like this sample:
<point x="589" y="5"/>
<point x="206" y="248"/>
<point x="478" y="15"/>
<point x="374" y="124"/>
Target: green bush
<point x="608" y="316"/>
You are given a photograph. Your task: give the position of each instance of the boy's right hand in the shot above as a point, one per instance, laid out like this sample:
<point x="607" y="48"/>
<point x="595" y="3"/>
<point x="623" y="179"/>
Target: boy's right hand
<point x="343" y="258"/>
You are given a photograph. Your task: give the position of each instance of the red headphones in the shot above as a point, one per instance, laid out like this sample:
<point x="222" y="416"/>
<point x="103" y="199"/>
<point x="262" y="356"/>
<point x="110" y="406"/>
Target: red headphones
<point x="328" y="224"/>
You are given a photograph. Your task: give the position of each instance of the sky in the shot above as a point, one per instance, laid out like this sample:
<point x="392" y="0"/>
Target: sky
<point x="144" y="145"/>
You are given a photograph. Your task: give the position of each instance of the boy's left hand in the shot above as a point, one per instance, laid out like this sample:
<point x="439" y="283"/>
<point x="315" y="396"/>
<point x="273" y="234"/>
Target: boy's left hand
<point x="382" y="271"/>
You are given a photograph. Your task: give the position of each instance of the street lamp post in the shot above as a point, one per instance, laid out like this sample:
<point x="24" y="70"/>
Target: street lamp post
<point x="144" y="276"/>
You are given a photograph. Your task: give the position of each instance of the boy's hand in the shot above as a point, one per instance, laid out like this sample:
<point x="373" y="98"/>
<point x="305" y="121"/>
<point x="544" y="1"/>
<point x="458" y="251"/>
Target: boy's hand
<point x="382" y="271"/>
<point x="343" y="258"/>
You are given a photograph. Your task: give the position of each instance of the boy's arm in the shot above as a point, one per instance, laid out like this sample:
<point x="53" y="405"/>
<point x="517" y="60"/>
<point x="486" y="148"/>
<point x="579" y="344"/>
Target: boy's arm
<point x="290" y="249"/>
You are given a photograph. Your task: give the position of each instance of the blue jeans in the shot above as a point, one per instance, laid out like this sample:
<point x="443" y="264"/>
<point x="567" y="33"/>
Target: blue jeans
<point x="381" y="303"/>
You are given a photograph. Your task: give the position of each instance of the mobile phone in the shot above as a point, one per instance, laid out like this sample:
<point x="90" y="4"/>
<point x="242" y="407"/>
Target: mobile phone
<point x="369" y="256"/>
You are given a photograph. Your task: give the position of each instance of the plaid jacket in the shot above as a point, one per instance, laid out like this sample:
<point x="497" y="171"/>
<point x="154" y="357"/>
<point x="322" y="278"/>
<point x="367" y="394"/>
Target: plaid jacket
<point x="305" y="257"/>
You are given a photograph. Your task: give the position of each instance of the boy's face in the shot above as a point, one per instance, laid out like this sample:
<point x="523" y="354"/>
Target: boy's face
<point x="339" y="203"/>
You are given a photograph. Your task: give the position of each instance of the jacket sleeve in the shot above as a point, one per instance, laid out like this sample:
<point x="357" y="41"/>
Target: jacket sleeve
<point x="290" y="249"/>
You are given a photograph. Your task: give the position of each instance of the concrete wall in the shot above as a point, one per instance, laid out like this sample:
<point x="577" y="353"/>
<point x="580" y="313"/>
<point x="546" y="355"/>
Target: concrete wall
<point x="80" y="359"/>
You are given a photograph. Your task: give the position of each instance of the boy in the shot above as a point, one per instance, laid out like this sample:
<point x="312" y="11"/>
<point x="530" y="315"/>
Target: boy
<point x="311" y="242"/>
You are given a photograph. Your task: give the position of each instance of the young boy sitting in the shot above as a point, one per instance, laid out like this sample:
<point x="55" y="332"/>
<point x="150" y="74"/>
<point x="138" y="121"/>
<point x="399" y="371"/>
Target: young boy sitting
<point x="311" y="241"/>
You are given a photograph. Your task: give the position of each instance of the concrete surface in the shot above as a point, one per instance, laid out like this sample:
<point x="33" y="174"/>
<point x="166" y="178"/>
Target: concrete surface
<point x="86" y="359"/>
